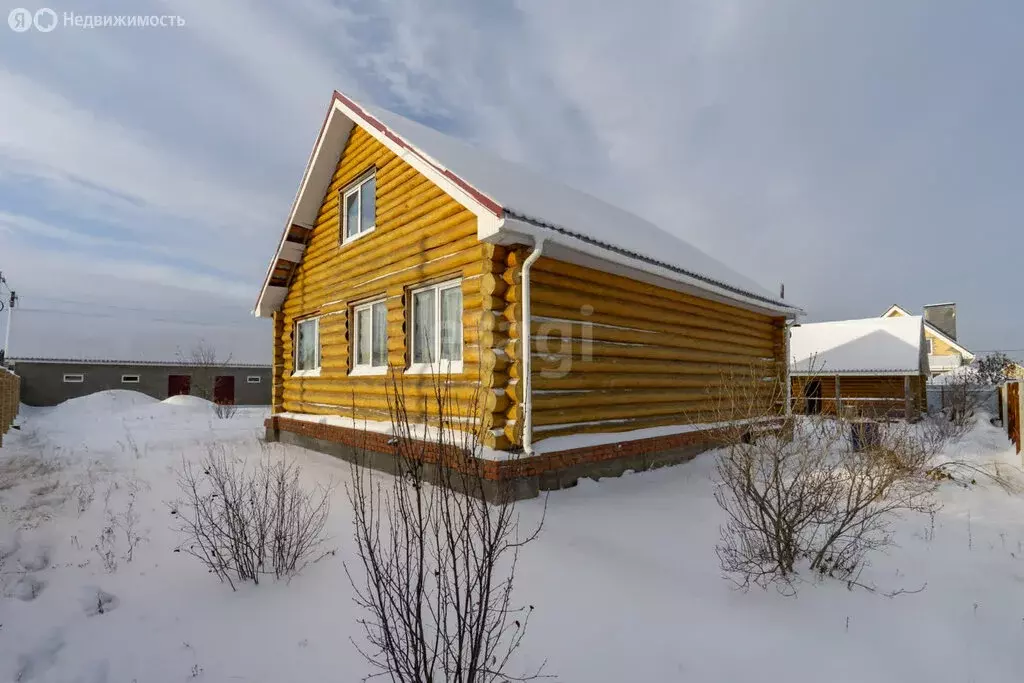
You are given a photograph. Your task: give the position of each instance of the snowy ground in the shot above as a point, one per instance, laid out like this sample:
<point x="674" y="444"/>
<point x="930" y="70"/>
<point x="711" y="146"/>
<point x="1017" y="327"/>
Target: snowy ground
<point x="624" y="577"/>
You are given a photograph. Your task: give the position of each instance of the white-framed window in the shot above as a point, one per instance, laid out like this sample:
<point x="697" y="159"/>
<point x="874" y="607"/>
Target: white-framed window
<point x="437" y="328"/>
<point x="370" y="338"/>
<point x="253" y="379"/>
<point x="74" y="378"/>
<point x="307" y="346"/>
<point x="931" y="345"/>
<point x="359" y="208"/>
<point x="129" y="379"/>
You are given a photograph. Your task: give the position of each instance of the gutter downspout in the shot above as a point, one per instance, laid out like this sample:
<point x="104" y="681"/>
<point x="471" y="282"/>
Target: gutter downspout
<point x="789" y="363"/>
<point x="527" y="346"/>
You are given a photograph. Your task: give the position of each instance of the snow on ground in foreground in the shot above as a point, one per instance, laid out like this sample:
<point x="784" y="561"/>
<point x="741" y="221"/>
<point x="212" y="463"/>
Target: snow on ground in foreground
<point x="624" y="576"/>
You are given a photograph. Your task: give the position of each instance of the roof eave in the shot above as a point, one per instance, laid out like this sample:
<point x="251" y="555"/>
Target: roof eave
<point x="515" y="227"/>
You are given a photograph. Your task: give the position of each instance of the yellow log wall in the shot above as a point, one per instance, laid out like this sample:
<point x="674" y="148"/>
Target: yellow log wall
<point x="613" y="354"/>
<point x="422" y="236"/>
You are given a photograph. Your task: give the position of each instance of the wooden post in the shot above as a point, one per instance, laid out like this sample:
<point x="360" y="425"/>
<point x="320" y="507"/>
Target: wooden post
<point x="839" y="399"/>
<point x="907" y="402"/>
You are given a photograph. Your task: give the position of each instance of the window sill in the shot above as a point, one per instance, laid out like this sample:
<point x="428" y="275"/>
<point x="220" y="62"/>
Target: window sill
<point x="306" y="373"/>
<point x="353" y="238"/>
<point x="444" y="368"/>
<point x="368" y="370"/>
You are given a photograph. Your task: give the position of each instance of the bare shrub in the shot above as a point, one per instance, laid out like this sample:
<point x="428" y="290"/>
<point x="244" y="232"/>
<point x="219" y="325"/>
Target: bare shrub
<point x="438" y="549"/>
<point x="803" y="492"/>
<point x="245" y="523"/>
<point x="966" y="389"/>
<point x="868" y="488"/>
<point x="225" y="411"/>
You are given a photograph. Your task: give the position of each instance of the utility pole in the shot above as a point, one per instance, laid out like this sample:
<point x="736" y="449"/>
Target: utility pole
<point x="11" y="303"/>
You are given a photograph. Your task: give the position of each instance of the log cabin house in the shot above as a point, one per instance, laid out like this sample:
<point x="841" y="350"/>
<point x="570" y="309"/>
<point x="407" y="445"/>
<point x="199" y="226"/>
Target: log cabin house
<point x="875" y="367"/>
<point x="410" y="252"/>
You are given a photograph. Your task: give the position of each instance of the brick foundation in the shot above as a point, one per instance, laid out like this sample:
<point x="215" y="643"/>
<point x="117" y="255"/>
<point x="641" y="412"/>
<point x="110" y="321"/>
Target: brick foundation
<point x="522" y="477"/>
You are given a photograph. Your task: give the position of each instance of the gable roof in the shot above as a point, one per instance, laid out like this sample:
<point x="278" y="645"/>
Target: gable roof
<point x="895" y="308"/>
<point x="934" y="330"/>
<point x="513" y="205"/>
<point x="870" y="346"/>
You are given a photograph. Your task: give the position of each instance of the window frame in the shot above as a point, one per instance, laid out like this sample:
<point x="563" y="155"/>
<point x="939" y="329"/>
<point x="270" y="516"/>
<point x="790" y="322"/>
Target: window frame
<point x="931" y="346"/>
<point x="306" y="372"/>
<point x="355" y="188"/>
<point x="443" y="366"/>
<point x="363" y="368"/>
<point x="256" y="379"/>
<point x="68" y="377"/>
<point x="125" y="379"/>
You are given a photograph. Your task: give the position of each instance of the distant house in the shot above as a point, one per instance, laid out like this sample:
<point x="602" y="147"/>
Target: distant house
<point x="875" y="367"/>
<point x="409" y="251"/>
<point x="944" y="352"/>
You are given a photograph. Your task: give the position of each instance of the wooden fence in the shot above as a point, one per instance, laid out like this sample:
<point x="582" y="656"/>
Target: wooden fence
<point x="10" y="397"/>
<point x="1012" y="407"/>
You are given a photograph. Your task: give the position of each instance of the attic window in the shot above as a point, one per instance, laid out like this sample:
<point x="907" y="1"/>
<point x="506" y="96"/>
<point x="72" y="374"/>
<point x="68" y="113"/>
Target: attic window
<point x="359" y="207"/>
<point x="931" y="345"/>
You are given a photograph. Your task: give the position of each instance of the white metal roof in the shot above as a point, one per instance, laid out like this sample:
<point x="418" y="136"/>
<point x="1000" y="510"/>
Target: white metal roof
<point x="68" y="337"/>
<point x="891" y="345"/>
<point x="513" y="202"/>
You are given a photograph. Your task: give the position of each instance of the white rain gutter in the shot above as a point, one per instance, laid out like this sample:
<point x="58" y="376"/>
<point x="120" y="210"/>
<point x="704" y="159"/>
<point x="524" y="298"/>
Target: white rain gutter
<point x="527" y="345"/>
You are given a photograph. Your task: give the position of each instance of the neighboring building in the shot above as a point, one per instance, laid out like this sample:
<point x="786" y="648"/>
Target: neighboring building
<point x="49" y="381"/>
<point x="876" y="367"/>
<point x="944" y="352"/>
<point x="406" y="249"/>
<point x="64" y="354"/>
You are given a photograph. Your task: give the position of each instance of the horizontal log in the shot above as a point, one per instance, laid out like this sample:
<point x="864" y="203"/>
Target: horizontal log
<point x="717" y="319"/>
<point x="619" y="328"/>
<point x="579" y="382"/>
<point x="300" y="300"/>
<point x="384" y="245"/>
<point x="578" y="350"/>
<point x="564" y="400"/>
<point x="561" y="268"/>
<point x="595" y="309"/>
<point x="620" y="426"/>
<point x="591" y="413"/>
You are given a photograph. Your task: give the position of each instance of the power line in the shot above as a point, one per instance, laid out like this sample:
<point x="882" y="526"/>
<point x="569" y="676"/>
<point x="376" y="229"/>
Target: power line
<point x="93" y="304"/>
<point x="94" y="314"/>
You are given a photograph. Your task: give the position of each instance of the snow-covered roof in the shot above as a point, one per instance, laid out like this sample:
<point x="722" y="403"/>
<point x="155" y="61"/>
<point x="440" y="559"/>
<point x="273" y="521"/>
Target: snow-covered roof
<point x="56" y="336"/>
<point x="514" y="204"/>
<point x="891" y="345"/>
